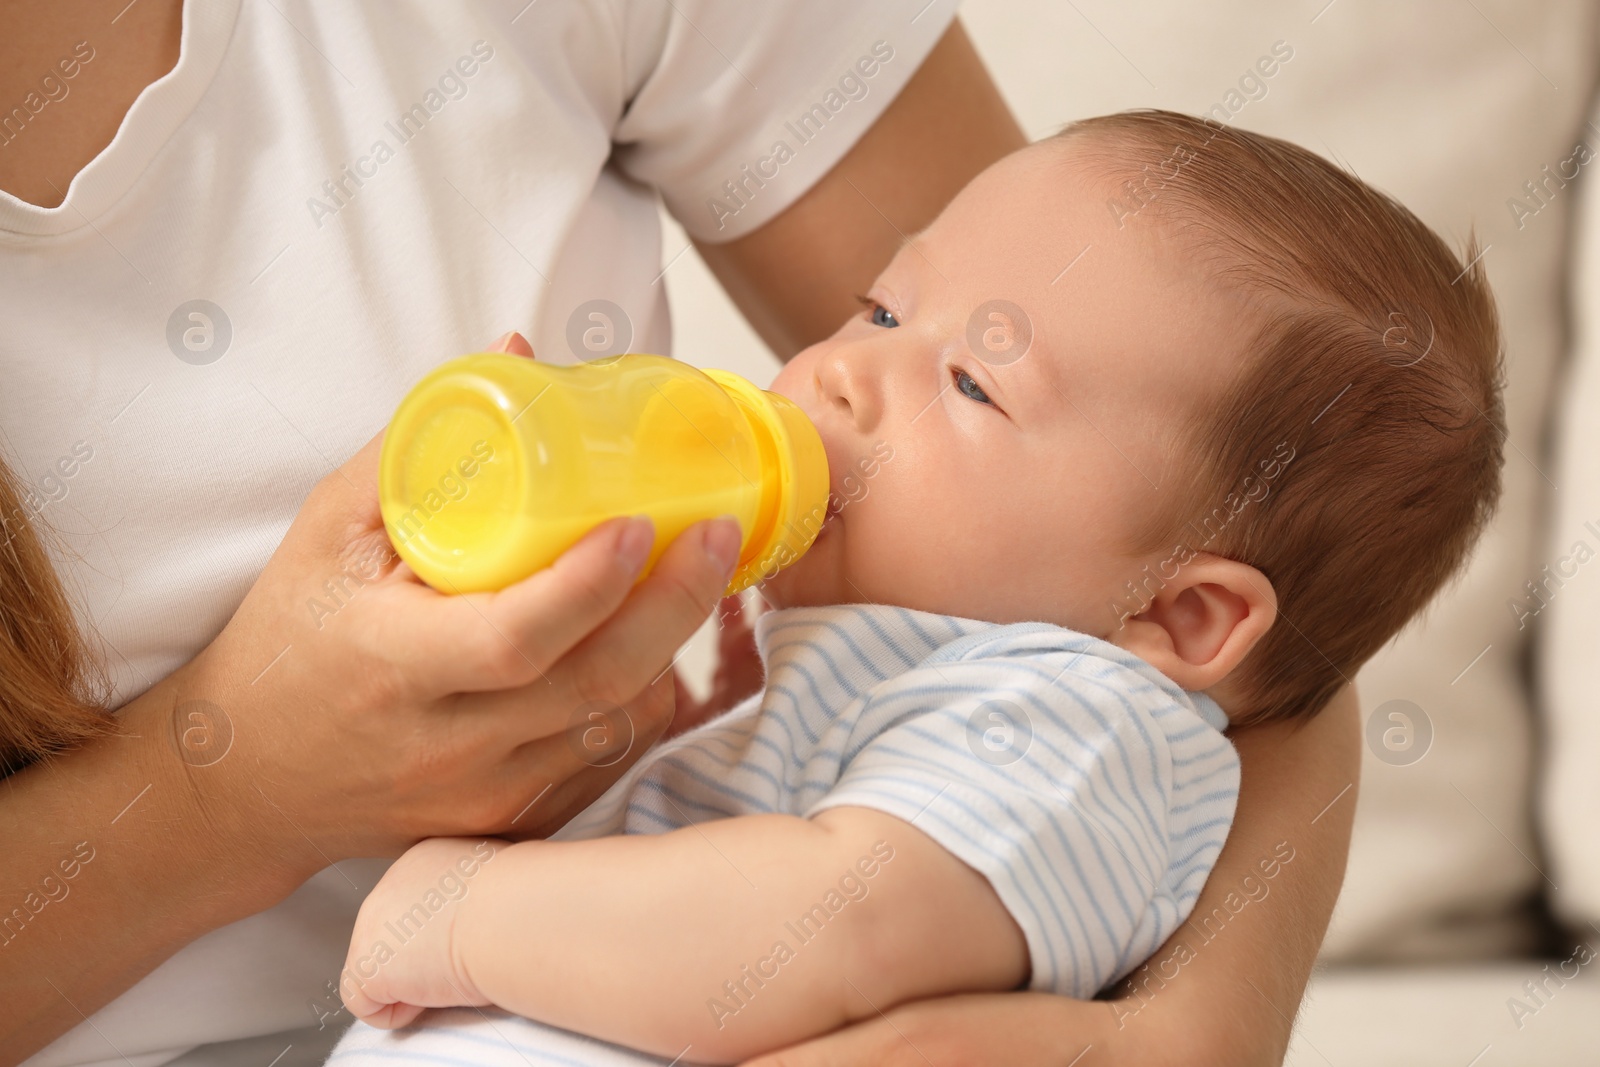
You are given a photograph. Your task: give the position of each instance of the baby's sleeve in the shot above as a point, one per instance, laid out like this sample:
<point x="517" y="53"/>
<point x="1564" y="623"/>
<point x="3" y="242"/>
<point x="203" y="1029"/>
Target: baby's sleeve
<point x="1092" y="799"/>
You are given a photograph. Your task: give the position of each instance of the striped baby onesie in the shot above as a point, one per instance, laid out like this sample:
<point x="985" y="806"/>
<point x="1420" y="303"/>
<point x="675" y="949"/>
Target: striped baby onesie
<point x="1091" y="791"/>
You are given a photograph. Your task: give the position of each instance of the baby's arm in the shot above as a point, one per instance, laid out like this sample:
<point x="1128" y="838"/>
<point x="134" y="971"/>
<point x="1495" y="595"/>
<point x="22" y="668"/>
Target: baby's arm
<point x="717" y="941"/>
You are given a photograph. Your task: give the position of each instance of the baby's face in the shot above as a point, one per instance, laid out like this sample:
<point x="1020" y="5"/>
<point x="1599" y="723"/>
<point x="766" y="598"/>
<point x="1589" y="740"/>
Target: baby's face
<point x="987" y="481"/>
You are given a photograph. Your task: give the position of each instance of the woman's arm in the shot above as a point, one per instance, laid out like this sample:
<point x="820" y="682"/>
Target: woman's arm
<point x="1223" y="993"/>
<point x="1240" y="977"/>
<point x="796" y="277"/>
<point x="112" y="863"/>
<point x="295" y="740"/>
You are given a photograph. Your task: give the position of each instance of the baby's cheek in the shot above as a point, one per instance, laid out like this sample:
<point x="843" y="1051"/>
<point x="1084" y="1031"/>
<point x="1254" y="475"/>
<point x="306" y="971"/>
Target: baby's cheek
<point x="882" y="545"/>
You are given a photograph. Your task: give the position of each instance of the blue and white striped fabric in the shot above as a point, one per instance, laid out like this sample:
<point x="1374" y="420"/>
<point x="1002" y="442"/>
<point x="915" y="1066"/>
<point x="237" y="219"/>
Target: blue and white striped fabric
<point x="1091" y="791"/>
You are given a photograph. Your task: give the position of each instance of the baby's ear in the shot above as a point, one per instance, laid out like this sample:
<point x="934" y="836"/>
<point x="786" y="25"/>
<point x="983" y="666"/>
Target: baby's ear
<point x="1202" y="622"/>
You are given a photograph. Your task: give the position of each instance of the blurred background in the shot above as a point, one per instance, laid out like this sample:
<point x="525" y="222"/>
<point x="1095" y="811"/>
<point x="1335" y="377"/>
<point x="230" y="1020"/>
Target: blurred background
<point x="1466" y="935"/>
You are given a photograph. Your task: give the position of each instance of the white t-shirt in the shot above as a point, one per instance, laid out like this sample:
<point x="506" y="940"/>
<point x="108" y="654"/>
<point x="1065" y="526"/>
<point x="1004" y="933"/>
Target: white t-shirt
<point x="321" y="202"/>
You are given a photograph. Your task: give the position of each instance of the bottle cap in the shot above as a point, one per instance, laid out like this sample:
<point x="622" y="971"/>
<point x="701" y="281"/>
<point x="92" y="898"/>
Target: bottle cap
<point x="795" y="472"/>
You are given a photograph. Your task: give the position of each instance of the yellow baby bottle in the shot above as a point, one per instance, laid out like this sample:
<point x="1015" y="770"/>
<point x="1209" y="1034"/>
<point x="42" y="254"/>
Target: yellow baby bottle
<point x="495" y="464"/>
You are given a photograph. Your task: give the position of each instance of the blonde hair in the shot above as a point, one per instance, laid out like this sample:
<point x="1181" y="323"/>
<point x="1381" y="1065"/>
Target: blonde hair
<point x="53" y="690"/>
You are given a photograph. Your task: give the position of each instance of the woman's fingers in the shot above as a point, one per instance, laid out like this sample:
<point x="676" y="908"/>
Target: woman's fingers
<point x="623" y="664"/>
<point x="873" y="1043"/>
<point x="512" y="342"/>
<point x="1021" y="1029"/>
<point x="636" y="645"/>
<point x="554" y="778"/>
<point x="532" y="633"/>
<point x="625" y="658"/>
<point x="513" y="638"/>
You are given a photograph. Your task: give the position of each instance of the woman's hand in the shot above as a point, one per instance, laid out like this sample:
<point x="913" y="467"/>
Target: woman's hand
<point x="368" y="710"/>
<point x="738" y="672"/>
<point x="971" y="1030"/>
<point x="345" y="710"/>
<point x="1225" y="987"/>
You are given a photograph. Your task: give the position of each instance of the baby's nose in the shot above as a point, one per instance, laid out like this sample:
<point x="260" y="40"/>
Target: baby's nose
<point x="846" y="382"/>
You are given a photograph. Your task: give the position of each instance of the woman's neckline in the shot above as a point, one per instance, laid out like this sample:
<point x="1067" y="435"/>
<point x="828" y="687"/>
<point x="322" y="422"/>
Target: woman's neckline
<point x="154" y="116"/>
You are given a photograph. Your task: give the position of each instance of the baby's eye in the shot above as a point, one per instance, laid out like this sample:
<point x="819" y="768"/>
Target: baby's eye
<point x="970" y="388"/>
<point x="880" y="315"/>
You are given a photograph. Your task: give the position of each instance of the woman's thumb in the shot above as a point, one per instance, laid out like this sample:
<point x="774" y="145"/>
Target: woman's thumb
<point x="514" y="343"/>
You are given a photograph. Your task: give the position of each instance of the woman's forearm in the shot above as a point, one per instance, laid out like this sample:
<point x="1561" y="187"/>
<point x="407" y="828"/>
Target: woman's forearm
<point x="1227" y="984"/>
<point x="117" y="855"/>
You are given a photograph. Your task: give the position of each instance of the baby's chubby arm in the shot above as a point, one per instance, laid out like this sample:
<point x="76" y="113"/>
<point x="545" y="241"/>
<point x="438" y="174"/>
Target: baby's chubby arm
<point x="717" y="941"/>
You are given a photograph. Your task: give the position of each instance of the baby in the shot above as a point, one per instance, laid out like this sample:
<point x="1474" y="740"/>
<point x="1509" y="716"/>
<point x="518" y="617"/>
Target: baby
<point x="1160" y="426"/>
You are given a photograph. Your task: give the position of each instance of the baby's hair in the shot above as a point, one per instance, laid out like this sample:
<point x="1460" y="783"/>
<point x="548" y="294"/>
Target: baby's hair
<point x="1376" y="368"/>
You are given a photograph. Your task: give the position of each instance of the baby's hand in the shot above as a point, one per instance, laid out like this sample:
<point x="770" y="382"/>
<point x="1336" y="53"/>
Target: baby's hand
<point x="402" y="955"/>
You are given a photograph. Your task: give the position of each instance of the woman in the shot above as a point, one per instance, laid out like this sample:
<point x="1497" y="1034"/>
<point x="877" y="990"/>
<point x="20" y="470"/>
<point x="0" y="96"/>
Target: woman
<point x="217" y="293"/>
